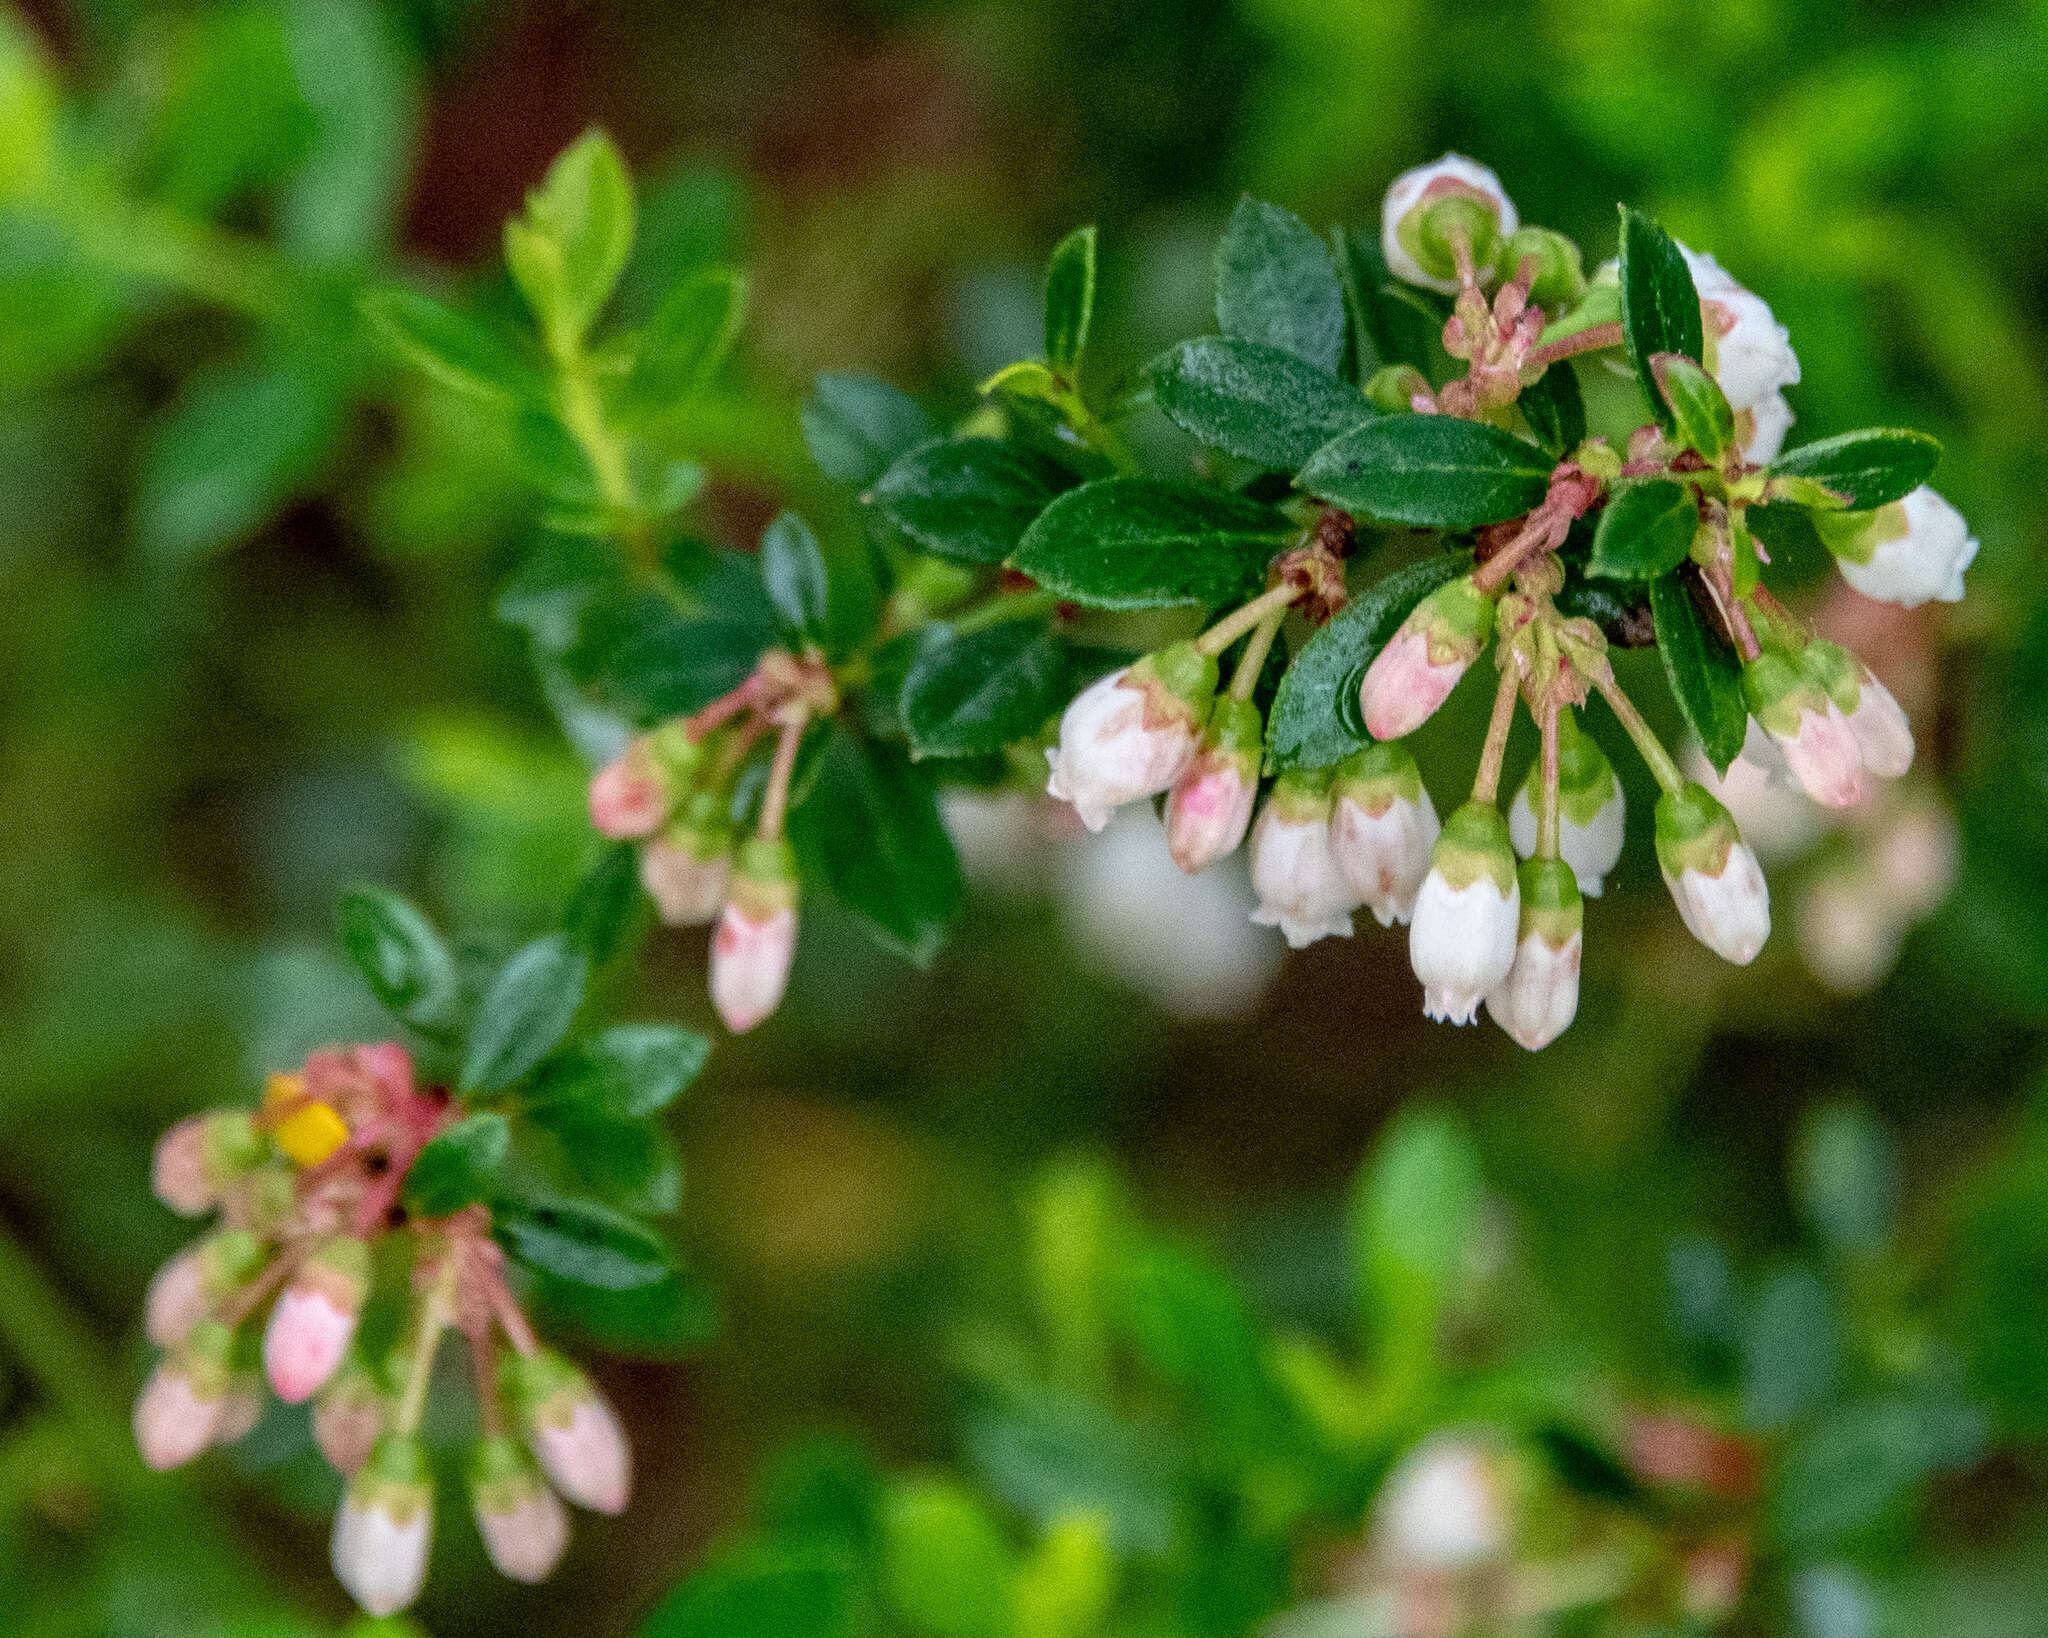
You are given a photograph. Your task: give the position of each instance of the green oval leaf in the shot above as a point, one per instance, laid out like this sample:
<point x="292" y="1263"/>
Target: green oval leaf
<point x="855" y="425"/>
<point x="1705" y="674"/>
<point x="1645" y="531"/>
<point x="401" y="958"/>
<point x="793" y="570"/>
<point x="983" y="690"/>
<point x="459" y="1166"/>
<point x="1660" y="309"/>
<point x="456" y="350"/>
<point x="568" y="250"/>
<point x="1391" y="322"/>
<point x="1314" y="721"/>
<point x="966" y="499"/>
<point x="525" y="1013"/>
<point x="1699" y="409"/>
<point x="582" y="1242"/>
<point x="626" y="1072"/>
<point x="1145" y="543"/>
<point x="1254" y="401"/>
<point x="688" y="338"/>
<point x="1069" y="300"/>
<point x="1275" y="284"/>
<point x="1435" y="471"/>
<point x="1867" y="469"/>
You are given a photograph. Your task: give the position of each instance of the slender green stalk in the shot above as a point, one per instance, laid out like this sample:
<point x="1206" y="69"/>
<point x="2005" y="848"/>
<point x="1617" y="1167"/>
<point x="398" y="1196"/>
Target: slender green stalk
<point x="1662" y="768"/>
<point x="1486" y="787"/>
<point x="1246" y="677"/>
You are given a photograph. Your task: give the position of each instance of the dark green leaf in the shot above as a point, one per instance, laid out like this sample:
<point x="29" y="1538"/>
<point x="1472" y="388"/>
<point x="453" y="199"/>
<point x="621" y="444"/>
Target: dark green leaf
<point x="1437" y="471"/>
<point x="967" y="499"/>
<point x="525" y="1013"/>
<point x="1391" y="322"/>
<point x="626" y="1072"/>
<point x="459" y="352"/>
<point x="401" y="958"/>
<point x="650" y="661"/>
<point x="631" y="1165"/>
<point x="1275" y="284"/>
<point x="458" y="1167"/>
<point x="1314" y="721"/>
<point x="1556" y="409"/>
<point x="1699" y="409"/>
<point x="854" y="426"/>
<point x="1069" y="300"/>
<point x="688" y="337"/>
<point x="976" y="693"/>
<point x="870" y="830"/>
<point x="1705" y="675"/>
<point x="1645" y="531"/>
<point x="602" y="909"/>
<point x="582" y="1242"/>
<point x="1660" y="309"/>
<point x="793" y="570"/>
<point x="665" y="1318"/>
<point x="778" y="1589"/>
<point x="1867" y="469"/>
<point x="1140" y="543"/>
<point x="1255" y="401"/>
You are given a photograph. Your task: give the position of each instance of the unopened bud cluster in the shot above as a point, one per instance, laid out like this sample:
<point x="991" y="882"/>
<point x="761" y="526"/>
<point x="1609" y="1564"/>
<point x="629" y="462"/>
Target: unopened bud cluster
<point x="306" y="1194"/>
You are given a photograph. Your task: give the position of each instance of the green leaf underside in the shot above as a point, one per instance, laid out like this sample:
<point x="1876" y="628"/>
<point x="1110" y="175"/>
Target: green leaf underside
<point x="869" y="828"/>
<point x="976" y="693"/>
<point x="525" y="1013"/>
<point x="1315" y="717"/>
<point x="1069" y="300"/>
<point x="1660" y="309"/>
<point x="855" y="425"/>
<point x="965" y="499"/>
<point x="1705" y="674"/>
<point x="582" y="1242"/>
<point x="1556" y="409"/>
<point x="1645" y="531"/>
<point x="459" y="1167"/>
<point x="793" y="570"/>
<point x="1254" y="401"/>
<point x="400" y="956"/>
<point x="1434" y="471"/>
<point x="1870" y="468"/>
<point x="1139" y="543"/>
<point x="1275" y="284"/>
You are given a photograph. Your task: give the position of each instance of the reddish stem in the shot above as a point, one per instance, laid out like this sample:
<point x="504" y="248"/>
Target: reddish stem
<point x="1589" y="340"/>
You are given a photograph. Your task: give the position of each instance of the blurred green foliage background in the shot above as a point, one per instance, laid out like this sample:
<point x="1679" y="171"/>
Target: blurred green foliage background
<point x="248" y="656"/>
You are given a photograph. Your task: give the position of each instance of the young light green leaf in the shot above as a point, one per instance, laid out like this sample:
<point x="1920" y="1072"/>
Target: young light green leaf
<point x="1436" y="471"/>
<point x="525" y="1013"/>
<point x="855" y="425"/>
<point x="569" y="248"/>
<point x="1645" y="531"/>
<point x="626" y="1072"/>
<point x="946" y="1566"/>
<point x="1867" y="469"/>
<point x="793" y="570"/>
<point x="401" y="958"/>
<point x="1391" y="322"/>
<point x="869" y="828"/>
<point x="1143" y="543"/>
<point x="457" y="351"/>
<point x="1275" y="284"/>
<point x="786" y="1587"/>
<point x="1705" y="675"/>
<point x="1193" y="1326"/>
<point x="1415" y="1212"/>
<point x="581" y="1241"/>
<point x="1254" y="401"/>
<point x="965" y="499"/>
<point x="1070" y="301"/>
<point x="459" y="1167"/>
<point x="687" y="339"/>
<point x="1660" y="309"/>
<point x="1315" y="717"/>
<point x="1699" y="409"/>
<point x="1556" y="409"/>
<point x="977" y="692"/>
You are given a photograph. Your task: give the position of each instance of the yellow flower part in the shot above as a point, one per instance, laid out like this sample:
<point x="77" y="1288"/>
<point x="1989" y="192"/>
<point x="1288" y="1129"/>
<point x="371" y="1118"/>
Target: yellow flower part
<point x="310" y="1133"/>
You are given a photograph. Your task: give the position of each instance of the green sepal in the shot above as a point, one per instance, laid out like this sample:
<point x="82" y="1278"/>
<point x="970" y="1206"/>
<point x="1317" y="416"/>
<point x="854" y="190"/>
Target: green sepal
<point x="1427" y="230"/>
<point x="1378" y="776"/>
<point x="1561" y="276"/>
<point x="1237" y="729"/>
<point x="1835" y="672"/>
<point x="1778" y="693"/>
<point x="1694" y="831"/>
<point x="1302" y="796"/>
<point x="1457" y="620"/>
<point x="764" y="880"/>
<point x="1474" y="843"/>
<point x="1857" y="535"/>
<point x="1393" y="388"/>
<point x="1552" y="906"/>
<point x="1183" y="671"/>
<point x="1585" y="778"/>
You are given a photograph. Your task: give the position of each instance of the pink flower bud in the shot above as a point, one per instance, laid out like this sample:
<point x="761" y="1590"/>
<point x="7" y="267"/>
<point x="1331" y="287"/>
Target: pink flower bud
<point x="1133" y="733"/>
<point x="1413" y="241"/>
<point x="385" y="1528"/>
<point x="629" y="796"/>
<point x="1467" y="914"/>
<point x="1294" y="870"/>
<point x="524" y="1524"/>
<point x="177" y="1298"/>
<point x="755" y="941"/>
<point x="1443" y="1508"/>
<point x="241" y="1407"/>
<point x="1808" y="729"/>
<point x="1910" y="552"/>
<point x="1382" y="828"/>
<point x="1421" y="664"/>
<point x="200" y="1156"/>
<point x="315" y="1318"/>
<point x="572" y="1431"/>
<point x="1538" y="999"/>
<point x="685" y="878"/>
<point x="347" y="1418"/>
<point x="1210" y="807"/>
<point x="1714" y="878"/>
<point x="180" y="1407"/>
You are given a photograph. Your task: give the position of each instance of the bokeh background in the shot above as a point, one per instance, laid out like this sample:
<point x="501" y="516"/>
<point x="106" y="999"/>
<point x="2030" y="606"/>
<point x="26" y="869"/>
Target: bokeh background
<point x="248" y="656"/>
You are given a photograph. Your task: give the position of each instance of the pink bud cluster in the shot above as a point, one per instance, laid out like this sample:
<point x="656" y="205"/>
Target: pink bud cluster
<point x="307" y="1193"/>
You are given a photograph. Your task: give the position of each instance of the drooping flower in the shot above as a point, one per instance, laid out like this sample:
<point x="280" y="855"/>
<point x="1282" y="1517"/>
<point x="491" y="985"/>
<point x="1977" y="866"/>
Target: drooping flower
<point x="1294" y="869"/>
<point x="630" y="795"/>
<point x="1591" y="812"/>
<point x="347" y="1418"/>
<point x="315" y="1318"/>
<point x="755" y="941"/>
<point x="1748" y="351"/>
<point x="1422" y="662"/>
<point x="1467" y="914"/>
<point x="187" y="1287"/>
<point x="179" y="1410"/>
<point x="1426" y="205"/>
<point x="385" y="1527"/>
<point x="1910" y="552"/>
<point x="1382" y="828"/>
<point x="685" y="869"/>
<point x="1538" y="999"/>
<point x="1883" y="736"/>
<point x="1133" y="733"/>
<point x="523" y="1523"/>
<point x="1210" y="806"/>
<point x="572" y="1431"/>
<point x="1714" y="878"/>
<point x="1808" y="728"/>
